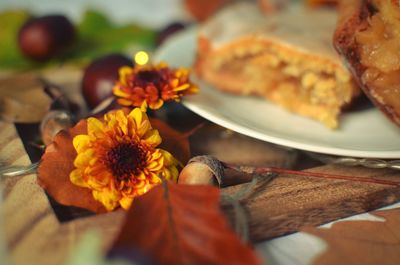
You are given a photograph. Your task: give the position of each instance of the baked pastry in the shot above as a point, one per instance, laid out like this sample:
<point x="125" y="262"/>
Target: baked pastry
<point x="286" y="56"/>
<point x="201" y="10"/>
<point x="368" y="37"/>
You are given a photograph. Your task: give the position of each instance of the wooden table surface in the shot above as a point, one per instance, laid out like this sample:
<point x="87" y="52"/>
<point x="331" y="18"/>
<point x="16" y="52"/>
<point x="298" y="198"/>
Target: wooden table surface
<point x="281" y="207"/>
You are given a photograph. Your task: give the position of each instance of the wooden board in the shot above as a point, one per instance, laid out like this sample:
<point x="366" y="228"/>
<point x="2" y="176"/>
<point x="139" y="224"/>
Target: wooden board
<point x="287" y="203"/>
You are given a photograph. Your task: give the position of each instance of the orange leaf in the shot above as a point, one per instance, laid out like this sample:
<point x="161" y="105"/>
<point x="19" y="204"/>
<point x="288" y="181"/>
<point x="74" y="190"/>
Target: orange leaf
<point x="362" y="242"/>
<point x="55" y="167"/>
<point x="181" y="224"/>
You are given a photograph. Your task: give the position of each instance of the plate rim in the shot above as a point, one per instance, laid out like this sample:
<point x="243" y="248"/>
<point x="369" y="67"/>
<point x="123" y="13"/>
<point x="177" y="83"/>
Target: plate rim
<point x="291" y="144"/>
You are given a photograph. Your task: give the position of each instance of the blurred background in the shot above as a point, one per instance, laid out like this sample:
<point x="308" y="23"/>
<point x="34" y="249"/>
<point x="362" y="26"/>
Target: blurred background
<point x="151" y="13"/>
<point x="98" y="28"/>
<point x="29" y="40"/>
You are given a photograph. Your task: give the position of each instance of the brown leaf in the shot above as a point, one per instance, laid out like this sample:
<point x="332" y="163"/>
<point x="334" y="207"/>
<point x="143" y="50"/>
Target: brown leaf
<point x="57" y="163"/>
<point x="181" y="224"/>
<point x="173" y="141"/>
<point x="362" y="242"/>
<point x="55" y="167"/>
<point x="22" y="99"/>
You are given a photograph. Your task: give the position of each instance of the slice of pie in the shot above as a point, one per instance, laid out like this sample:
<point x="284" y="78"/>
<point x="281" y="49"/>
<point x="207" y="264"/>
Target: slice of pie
<point x="368" y="37"/>
<point x="286" y="56"/>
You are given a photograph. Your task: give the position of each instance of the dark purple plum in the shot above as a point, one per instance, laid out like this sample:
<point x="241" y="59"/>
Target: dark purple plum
<point x="100" y="76"/>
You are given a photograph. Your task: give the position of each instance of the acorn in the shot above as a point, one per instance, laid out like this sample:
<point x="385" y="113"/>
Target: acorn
<point x="196" y="173"/>
<point x="205" y="170"/>
<point x="52" y="123"/>
<point x="100" y="76"/>
<point x="45" y="37"/>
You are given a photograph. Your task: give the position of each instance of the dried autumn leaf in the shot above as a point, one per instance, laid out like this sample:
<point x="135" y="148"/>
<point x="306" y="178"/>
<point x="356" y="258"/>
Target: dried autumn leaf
<point x="55" y="167"/>
<point x="22" y="99"/>
<point x="58" y="161"/>
<point x="362" y="242"/>
<point x="173" y="141"/>
<point x="180" y="224"/>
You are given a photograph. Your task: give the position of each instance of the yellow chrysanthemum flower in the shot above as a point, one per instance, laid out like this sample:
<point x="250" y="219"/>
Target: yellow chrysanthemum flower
<point x="118" y="158"/>
<point x="147" y="85"/>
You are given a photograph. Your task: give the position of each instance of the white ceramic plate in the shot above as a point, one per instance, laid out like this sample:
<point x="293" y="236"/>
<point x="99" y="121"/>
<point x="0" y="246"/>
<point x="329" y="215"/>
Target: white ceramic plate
<point x="365" y="133"/>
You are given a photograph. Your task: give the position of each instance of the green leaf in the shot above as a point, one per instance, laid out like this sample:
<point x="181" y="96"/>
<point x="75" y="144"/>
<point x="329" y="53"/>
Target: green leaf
<point x="94" y="21"/>
<point x="98" y="36"/>
<point x="10" y="22"/>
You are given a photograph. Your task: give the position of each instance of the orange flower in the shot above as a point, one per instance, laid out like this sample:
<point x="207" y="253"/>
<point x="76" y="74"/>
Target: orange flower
<point x="118" y="158"/>
<point x="143" y="86"/>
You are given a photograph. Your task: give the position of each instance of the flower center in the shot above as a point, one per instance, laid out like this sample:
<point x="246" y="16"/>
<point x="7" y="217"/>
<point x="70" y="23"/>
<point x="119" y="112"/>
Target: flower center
<point x="148" y="76"/>
<point x="125" y="160"/>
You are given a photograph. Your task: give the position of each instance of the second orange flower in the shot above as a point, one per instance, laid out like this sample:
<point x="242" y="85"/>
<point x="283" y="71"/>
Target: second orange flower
<point x="152" y="85"/>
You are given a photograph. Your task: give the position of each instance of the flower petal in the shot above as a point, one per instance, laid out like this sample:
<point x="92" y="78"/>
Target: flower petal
<point x="169" y="159"/>
<point x="144" y="106"/>
<point x="81" y="142"/>
<point x="122" y="121"/>
<point x="182" y="87"/>
<point x="108" y="197"/>
<point x="155" y="165"/>
<point x="95" y="127"/>
<point x="137" y="117"/>
<point x="157" y="104"/>
<point x="77" y="178"/>
<point x="152" y="138"/>
<point x="126" y="202"/>
<point x="117" y="91"/>
<point x="124" y="72"/>
<point x="83" y="158"/>
<point x="154" y="178"/>
<point x="99" y="182"/>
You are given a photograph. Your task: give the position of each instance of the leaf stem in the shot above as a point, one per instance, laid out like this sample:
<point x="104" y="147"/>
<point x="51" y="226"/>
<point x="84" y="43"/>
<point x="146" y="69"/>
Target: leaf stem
<point x="259" y="170"/>
<point x="193" y="130"/>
